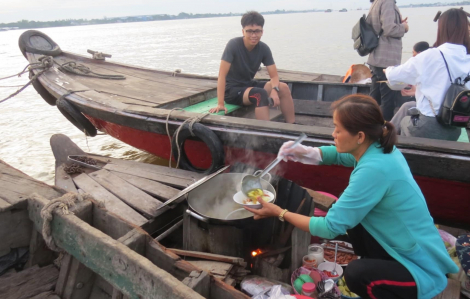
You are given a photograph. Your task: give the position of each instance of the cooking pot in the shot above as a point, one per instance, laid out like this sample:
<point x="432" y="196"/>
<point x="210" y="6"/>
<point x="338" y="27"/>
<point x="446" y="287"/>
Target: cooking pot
<point x="213" y="201"/>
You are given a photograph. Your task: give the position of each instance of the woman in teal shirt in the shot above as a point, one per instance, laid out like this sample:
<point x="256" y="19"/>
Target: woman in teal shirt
<point x="382" y="210"/>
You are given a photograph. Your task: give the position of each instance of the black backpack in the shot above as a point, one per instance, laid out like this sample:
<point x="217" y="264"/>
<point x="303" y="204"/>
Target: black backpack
<point x="455" y="109"/>
<point x="364" y="36"/>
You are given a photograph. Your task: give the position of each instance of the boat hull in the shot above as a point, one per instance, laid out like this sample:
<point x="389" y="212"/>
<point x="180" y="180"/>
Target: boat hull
<point x="448" y="201"/>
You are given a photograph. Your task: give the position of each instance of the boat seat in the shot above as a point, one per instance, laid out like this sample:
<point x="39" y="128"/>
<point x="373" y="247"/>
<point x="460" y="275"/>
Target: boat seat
<point x="205" y="106"/>
<point x="232" y="110"/>
<point x="452" y="291"/>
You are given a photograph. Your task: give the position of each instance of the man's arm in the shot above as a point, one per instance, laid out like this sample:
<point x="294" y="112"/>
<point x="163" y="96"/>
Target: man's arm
<point x="387" y="19"/>
<point x="274" y="76"/>
<point x="223" y="71"/>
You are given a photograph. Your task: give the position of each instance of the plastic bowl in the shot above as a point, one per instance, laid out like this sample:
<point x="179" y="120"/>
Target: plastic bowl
<point x="329" y="266"/>
<point x="239" y="197"/>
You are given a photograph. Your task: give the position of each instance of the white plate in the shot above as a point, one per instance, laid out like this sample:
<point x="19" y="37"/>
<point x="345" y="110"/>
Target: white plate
<point x="239" y="197"/>
<point x="349" y="245"/>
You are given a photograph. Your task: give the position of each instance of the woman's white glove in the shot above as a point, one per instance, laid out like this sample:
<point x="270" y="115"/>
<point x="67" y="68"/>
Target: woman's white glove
<point x="300" y="153"/>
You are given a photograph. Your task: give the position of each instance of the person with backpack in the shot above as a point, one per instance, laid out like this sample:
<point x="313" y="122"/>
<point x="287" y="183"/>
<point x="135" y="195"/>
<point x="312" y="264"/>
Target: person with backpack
<point x="428" y="71"/>
<point x="386" y="20"/>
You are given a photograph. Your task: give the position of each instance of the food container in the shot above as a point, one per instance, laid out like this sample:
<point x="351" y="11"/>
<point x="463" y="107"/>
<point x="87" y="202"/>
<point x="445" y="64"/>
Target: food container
<point x="329" y="266"/>
<point x="309" y="262"/>
<point x="316" y="250"/>
<point x="303" y="270"/>
<point x="309" y="289"/>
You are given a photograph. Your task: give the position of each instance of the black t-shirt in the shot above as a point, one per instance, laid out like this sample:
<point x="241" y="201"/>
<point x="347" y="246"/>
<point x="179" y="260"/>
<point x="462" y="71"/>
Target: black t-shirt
<point x="244" y="63"/>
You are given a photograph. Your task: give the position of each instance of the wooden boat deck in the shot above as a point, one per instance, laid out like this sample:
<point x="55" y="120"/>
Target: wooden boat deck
<point x="141" y="86"/>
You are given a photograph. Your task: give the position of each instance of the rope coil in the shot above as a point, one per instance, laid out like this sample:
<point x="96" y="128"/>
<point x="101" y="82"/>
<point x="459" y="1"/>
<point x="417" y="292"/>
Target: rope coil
<point x="191" y="122"/>
<point x="60" y="205"/>
<point x="82" y="70"/>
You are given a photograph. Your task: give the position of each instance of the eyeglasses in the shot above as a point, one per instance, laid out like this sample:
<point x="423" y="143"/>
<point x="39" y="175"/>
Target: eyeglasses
<point x="256" y="32"/>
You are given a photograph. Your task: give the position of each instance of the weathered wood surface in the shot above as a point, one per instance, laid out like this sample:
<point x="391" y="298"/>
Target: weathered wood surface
<point x="119" y="265"/>
<point x="39" y="253"/>
<point x="218" y="269"/>
<point x="15" y="229"/>
<point x="452" y="291"/>
<point x="178" y="173"/>
<point x="47" y="295"/>
<point x="313" y="108"/>
<point x="15" y="187"/>
<point x="111" y="202"/>
<point x="62" y="147"/>
<point x="75" y="280"/>
<point x="131" y="195"/>
<point x="28" y="283"/>
<point x="210" y="256"/>
<point x="321" y="201"/>
<point x="154" y="188"/>
<point x="199" y="281"/>
<point x="288" y="75"/>
<point x="159" y="176"/>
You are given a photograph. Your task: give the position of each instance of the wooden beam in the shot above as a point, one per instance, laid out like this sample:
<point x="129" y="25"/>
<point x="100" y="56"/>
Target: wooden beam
<point x="126" y="270"/>
<point x="209" y="256"/>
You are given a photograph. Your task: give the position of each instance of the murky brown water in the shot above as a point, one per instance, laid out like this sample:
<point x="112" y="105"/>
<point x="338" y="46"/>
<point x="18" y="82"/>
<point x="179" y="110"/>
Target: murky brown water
<point x="312" y="42"/>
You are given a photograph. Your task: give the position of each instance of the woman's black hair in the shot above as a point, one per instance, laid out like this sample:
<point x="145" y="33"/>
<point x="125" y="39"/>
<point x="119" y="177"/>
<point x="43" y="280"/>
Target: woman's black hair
<point x="361" y="113"/>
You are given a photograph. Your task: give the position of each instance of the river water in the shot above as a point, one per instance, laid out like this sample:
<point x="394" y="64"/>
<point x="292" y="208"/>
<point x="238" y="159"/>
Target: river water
<point x="310" y="42"/>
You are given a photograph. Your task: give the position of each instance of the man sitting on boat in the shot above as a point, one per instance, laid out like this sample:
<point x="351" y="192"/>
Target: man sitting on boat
<point x="241" y="60"/>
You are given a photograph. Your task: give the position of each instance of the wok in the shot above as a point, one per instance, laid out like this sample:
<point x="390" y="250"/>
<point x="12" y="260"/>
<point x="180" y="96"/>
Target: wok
<point x="213" y="200"/>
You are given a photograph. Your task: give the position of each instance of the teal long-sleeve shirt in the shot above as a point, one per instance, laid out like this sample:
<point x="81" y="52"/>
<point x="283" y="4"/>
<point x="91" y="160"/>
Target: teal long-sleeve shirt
<point x="383" y="196"/>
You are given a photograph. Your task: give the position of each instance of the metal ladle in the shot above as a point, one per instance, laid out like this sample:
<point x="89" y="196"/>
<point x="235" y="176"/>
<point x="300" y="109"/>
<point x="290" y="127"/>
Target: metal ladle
<point x="250" y="182"/>
<point x="334" y="273"/>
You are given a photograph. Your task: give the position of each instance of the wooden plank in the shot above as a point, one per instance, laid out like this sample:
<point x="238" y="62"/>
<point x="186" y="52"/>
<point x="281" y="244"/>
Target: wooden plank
<point x="62" y="147"/>
<point x="313" y="108"/>
<point x="123" y="268"/>
<point x="154" y="188"/>
<point x="213" y="267"/>
<point x="111" y="202"/>
<point x="199" y="281"/>
<point x="321" y="201"/>
<point x="15" y="230"/>
<point x="62" y="179"/>
<point x="172" y="263"/>
<point x="452" y="291"/>
<point x="29" y="283"/>
<point x="174" y="172"/>
<point x="131" y="195"/>
<point x="75" y="280"/>
<point x="210" y="256"/>
<point x="46" y="295"/>
<point x="39" y="253"/>
<point x="15" y="187"/>
<point x="166" y="179"/>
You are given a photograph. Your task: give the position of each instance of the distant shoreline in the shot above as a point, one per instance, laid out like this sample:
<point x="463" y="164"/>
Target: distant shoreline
<point x="25" y="24"/>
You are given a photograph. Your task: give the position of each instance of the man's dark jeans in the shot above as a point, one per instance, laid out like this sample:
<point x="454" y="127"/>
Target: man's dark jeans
<point x="384" y="96"/>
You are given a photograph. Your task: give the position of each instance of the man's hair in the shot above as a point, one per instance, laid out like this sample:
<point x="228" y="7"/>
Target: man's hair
<point x="252" y="18"/>
<point x="421" y="47"/>
<point x="453" y="28"/>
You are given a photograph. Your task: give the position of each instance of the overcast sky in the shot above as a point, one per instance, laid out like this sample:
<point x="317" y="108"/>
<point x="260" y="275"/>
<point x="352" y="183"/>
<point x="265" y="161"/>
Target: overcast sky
<point x="51" y="10"/>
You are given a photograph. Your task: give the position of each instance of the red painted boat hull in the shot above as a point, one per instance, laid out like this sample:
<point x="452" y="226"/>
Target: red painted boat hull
<point x="448" y="201"/>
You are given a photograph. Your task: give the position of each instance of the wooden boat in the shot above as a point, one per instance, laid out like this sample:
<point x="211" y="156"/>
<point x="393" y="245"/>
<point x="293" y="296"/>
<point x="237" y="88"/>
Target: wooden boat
<point x="108" y="244"/>
<point x="139" y="109"/>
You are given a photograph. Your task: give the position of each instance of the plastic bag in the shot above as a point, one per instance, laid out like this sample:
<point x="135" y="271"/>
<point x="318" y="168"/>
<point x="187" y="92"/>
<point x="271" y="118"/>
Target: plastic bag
<point x="275" y="292"/>
<point x="261" y="288"/>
